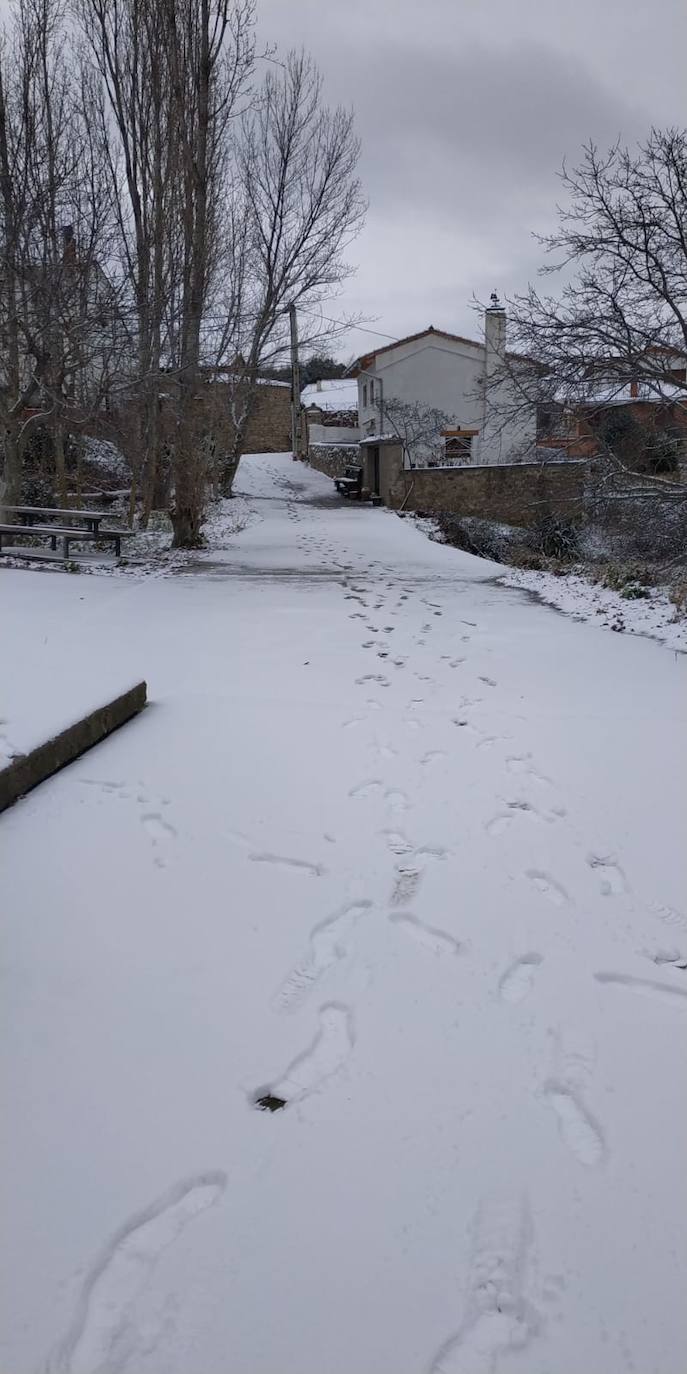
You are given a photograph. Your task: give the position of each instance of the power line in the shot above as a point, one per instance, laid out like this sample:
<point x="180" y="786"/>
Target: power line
<point x="347" y="328"/>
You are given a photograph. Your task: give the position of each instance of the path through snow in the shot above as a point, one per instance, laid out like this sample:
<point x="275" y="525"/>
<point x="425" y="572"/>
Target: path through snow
<point x="403" y="850"/>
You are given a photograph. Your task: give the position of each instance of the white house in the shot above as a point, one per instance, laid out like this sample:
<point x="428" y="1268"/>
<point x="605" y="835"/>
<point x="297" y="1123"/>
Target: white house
<point x="449" y="373"/>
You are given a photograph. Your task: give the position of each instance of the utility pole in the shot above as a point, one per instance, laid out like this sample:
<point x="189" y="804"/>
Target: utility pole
<point x="295" y="384"/>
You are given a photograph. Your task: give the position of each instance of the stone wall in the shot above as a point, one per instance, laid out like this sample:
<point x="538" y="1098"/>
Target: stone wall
<point x="515" y="494"/>
<point x="333" y="459"/>
<point x="269" y="427"/>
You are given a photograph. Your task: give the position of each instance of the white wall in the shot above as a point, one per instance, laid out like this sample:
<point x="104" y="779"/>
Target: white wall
<point x="333" y="434"/>
<point x="448" y="375"/>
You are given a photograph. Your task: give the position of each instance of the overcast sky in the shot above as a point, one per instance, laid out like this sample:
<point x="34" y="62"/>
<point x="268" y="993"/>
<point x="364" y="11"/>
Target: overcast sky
<point x="466" y="109"/>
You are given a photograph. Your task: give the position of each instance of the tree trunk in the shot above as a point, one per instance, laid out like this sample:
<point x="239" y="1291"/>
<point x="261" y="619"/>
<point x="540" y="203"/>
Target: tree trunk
<point x="13" y="468"/>
<point x="60" y="467"/>
<point x="228" y="471"/>
<point x="187" y="524"/>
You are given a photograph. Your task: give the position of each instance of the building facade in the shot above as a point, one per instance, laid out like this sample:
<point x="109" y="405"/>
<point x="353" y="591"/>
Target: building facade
<point x="454" y="375"/>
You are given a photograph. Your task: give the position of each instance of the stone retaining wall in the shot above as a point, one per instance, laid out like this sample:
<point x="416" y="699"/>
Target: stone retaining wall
<point x="515" y="494"/>
<point x="333" y="459"/>
<point x="269" y="427"/>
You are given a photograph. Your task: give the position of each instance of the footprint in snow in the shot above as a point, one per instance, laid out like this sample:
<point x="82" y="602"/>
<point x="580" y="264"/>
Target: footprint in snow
<point x="498" y="1319"/>
<point x="521" y="764"/>
<point x="325" y="1056"/>
<point x="577" y="1128"/>
<point x="283" y="861"/>
<point x="102" y="1330"/>
<point x="548" y="886"/>
<point x="646" y="987"/>
<point x="372" y="677"/>
<point x="674" y="958"/>
<point x="160" y="832"/>
<point x="329" y="943"/>
<point x="407" y="880"/>
<point x="612" y="881"/>
<point x="397" y="842"/>
<point x="670" y="917"/>
<point x="498" y="825"/>
<point x="428" y="937"/>
<point x="365" y="789"/>
<point x="518" y="979"/>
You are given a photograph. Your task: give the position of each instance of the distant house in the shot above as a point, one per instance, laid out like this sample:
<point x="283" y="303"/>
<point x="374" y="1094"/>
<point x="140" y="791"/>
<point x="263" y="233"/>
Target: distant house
<point x="643" y="421"/>
<point x="449" y="373"/>
<point x="331" y="411"/>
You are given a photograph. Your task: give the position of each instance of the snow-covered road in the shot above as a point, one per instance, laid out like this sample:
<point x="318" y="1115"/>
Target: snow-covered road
<point x="402" y="848"/>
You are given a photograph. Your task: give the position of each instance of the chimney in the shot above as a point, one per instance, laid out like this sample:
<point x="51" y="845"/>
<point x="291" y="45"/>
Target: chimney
<point x="494" y="333"/>
<point x="68" y="244"/>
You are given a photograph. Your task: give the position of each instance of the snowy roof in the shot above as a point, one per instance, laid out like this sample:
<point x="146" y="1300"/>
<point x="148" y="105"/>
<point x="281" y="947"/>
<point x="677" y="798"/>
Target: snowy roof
<point x="619" y="393"/>
<point x="340" y="393"/>
<point x="380" y="439"/>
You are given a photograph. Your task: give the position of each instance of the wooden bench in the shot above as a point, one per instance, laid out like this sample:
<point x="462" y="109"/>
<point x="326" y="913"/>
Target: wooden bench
<point x="351" y="484"/>
<point x="38" y="515"/>
<point x="66" y="535"/>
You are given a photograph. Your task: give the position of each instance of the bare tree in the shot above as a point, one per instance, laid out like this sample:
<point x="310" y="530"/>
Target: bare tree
<point x="210" y="51"/>
<point x="302" y="205"/>
<point x="619" y="323"/>
<point x="158" y="218"/>
<point x="126" y="41"/>
<point x="56" y="304"/>
<point x="420" y="429"/>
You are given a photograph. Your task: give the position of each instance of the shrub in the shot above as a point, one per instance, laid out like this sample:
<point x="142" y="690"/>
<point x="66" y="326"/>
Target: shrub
<point x="678" y="596"/>
<point x="618" y="576"/>
<point x="556" y="537"/>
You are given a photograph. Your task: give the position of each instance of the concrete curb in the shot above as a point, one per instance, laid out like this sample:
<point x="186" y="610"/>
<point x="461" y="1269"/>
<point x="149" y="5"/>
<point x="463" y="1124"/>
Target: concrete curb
<point x="40" y="763"/>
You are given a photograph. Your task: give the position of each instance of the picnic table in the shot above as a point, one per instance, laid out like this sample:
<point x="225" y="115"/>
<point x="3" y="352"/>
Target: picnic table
<point x="38" y="515"/>
<point x="85" y="530"/>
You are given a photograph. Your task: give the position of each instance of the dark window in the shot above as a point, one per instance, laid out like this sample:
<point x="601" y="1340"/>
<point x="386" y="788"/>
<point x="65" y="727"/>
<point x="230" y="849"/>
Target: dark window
<point x="372" y="393"/>
<point x="549" y="419"/>
<point x="364" y="394"/>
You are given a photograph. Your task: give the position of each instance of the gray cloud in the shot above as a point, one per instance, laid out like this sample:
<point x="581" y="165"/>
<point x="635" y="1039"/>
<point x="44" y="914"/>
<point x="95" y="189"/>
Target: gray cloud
<point x="466" y="111"/>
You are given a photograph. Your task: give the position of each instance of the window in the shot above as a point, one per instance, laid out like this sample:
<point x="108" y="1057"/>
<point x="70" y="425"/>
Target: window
<point x="458" y="449"/>
<point x="364" y="395"/>
<point x="549" y="419"/>
<point x="372" y="393"/>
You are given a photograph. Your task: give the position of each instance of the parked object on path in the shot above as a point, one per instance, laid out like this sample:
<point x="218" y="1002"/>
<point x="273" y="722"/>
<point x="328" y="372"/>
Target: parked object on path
<point x="351" y="486"/>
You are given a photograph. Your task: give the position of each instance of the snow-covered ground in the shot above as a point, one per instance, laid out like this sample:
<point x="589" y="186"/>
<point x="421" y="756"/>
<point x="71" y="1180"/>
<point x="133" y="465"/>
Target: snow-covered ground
<point x="403" y="848"/>
<point x="651" y="614"/>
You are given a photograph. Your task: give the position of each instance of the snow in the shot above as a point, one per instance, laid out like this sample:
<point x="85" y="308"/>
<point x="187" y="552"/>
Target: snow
<point x="657" y="391"/>
<point x="652" y="614"/>
<point x="341" y="393"/>
<point x="405" y="848"/>
<point x="104" y="454"/>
